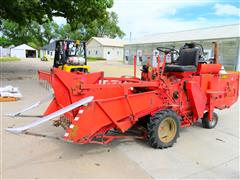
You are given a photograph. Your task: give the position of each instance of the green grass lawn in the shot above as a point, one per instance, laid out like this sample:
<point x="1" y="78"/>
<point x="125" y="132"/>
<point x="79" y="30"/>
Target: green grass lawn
<point x="8" y="59"/>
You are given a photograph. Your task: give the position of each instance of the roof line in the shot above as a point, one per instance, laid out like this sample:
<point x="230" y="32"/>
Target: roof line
<point x="191" y="29"/>
<point x="179" y="41"/>
<point x="22" y="45"/>
<point x="96" y="38"/>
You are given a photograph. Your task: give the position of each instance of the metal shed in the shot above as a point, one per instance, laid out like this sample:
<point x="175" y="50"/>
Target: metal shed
<point x="227" y="37"/>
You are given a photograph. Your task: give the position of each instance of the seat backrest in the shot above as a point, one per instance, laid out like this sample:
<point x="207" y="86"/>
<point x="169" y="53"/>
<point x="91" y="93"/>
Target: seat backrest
<point x="188" y="56"/>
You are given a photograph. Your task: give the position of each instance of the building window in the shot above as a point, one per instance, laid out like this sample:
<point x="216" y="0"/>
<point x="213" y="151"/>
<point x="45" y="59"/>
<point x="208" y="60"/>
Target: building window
<point x="51" y="53"/>
<point x="117" y="52"/>
<point x="108" y="52"/>
<point x="96" y="52"/>
<point x="48" y="52"/>
<point x="89" y="52"/>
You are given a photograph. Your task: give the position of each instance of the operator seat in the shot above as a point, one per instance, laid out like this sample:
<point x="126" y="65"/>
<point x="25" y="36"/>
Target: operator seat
<point x="187" y="60"/>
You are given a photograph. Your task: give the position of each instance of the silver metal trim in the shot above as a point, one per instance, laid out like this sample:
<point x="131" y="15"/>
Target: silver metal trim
<point x="30" y="107"/>
<point x="39" y="121"/>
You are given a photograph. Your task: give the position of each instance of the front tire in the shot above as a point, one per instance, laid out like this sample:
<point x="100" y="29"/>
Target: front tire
<point x="206" y="123"/>
<point x="163" y="129"/>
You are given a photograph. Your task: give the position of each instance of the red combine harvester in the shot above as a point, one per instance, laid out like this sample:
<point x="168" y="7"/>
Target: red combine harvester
<point x="98" y="109"/>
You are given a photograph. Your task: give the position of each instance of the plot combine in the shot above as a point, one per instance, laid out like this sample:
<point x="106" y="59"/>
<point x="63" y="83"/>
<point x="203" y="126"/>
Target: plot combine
<point x="97" y="109"/>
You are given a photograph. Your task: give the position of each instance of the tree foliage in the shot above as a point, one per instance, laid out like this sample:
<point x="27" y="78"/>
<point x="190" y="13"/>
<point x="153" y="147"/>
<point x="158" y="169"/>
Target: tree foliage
<point x="4" y="42"/>
<point x="35" y="35"/>
<point x="98" y="28"/>
<point x="75" y="11"/>
<point x="50" y="31"/>
<point x="31" y="21"/>
<point x="103" y="28"/>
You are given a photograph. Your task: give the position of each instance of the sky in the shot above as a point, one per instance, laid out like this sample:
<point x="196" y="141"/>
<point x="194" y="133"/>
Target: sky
<point x="144" y="17"/>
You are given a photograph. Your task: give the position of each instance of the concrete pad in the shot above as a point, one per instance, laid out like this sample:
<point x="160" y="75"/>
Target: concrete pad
<point x="198" y="153"/>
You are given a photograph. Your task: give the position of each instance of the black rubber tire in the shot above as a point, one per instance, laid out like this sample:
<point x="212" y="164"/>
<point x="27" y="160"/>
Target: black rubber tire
<point x="209" y="124"/>
<point x="153" y="128"/>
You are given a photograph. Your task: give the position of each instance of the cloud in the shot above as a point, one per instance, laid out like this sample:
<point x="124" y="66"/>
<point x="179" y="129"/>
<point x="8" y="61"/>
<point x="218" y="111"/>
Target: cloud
<point x="226" y="9"/>
<point x="144" y="17"/>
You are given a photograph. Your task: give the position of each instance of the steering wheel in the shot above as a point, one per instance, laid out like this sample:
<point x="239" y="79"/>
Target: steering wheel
<point x="167" y="50"/>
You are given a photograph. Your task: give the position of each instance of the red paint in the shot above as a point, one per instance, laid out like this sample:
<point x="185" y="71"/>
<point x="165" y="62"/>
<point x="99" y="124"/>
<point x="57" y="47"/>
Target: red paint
<point x="120" y="102"/>
<point x="135" y="66"/>
<point x="158" y="66"/>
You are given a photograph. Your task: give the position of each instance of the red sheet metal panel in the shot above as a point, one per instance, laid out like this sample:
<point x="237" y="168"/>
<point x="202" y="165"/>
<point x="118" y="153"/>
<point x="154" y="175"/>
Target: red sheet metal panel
<point x="208" y="68"/>
<point x="197" y="98"/>
<point x="44" y="75"/>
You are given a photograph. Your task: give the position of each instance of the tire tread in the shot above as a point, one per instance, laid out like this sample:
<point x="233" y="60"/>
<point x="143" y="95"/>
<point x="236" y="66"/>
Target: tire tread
<point x="153" y="124"/>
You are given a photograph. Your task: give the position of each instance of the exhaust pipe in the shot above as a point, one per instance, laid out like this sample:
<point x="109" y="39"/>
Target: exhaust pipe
<point x="216" y="52"/>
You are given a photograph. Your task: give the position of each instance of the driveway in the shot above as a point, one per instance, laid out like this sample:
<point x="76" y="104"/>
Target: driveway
<point x="199" y="152"/>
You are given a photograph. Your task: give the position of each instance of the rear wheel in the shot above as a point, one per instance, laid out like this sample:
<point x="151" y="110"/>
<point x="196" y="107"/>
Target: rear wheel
<point x="207" y="123"/>
<point x="163" y="129"/>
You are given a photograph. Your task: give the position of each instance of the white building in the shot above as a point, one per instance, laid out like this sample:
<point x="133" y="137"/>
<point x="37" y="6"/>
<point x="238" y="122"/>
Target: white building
<point x="48" y="50"/>
<point x="109" y="49"/>
<point x="23" y="51"/>
<point x="4" y="52"/>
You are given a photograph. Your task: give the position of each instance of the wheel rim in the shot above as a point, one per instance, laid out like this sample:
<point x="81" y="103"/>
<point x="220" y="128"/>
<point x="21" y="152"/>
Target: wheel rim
<point x="167" y="130"/>
<point x="213" y="121"/>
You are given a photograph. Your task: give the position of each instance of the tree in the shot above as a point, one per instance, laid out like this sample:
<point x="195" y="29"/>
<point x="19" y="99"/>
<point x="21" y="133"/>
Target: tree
<point x="4" y="42"/>
<point x="104" y="28"/>
<point x="50" y="30"/>
<point x="64" y="32"/>
<point x="35" y="35"/>
<point x="15" y="33"/>
<point x="30" y="21"/>
<point x="75" y="11"/>
<point x="99" y="28"/>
